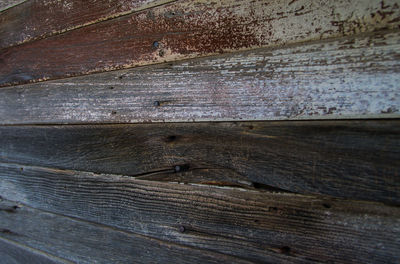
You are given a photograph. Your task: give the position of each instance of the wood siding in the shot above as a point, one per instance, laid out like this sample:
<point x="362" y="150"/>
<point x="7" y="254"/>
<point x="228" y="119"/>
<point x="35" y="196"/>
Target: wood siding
<point x="163" y="131"/>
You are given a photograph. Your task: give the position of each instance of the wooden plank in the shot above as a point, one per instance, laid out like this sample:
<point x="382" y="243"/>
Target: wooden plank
<point x="353" y="159"/>
<point x="185" y="30"/>
<point x="38" y="19"/>
<point x="5" y="4"/>
<point x="352" y="77"/>
<point x="14" y="253"/>
<point x="97" y="243"/>
<point x="257" y="226"/>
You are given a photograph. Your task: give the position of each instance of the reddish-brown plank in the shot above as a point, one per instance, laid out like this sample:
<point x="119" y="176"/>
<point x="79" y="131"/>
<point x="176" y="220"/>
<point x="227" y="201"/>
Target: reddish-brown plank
<point x="187" y="29"/>
<point x="37" y="18"/>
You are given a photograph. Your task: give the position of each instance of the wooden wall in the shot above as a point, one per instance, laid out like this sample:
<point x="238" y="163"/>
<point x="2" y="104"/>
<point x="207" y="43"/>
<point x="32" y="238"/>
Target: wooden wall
<point x="162" y="131"/>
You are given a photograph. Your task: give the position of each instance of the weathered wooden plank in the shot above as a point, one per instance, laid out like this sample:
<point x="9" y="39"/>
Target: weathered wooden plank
<point x="14" y="253"/>
<point x="37" y="19"/>
<point x="83" y="242"/>
<point x="353" y="159"/>
<point x="258" y="226"/>
<point x="352" y="77"/>
<point x="186" y="30"/>
<point x="5" y="4"/>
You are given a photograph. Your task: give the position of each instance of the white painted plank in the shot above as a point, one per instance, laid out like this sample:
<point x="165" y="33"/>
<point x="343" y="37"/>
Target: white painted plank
<point x="352" y="77"/>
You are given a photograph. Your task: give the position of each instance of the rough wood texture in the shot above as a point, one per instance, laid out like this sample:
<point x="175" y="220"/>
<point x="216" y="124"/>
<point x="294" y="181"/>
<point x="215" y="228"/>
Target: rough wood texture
<point x="14" y="253"/>
<point x="38" y="18"/>
<point x="83" y="242"/>
<point x="353" y="159"/>
<point x="184" y="30"/>
<point x="352" y="77"/>
<point x="257" y="226"/>
<point x="5" y="4"/>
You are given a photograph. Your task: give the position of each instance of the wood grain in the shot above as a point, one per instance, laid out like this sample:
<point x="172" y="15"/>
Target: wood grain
<point x="185" y="30"/>
<point x="353" y="159"/>
<point x="352" y="77"/>
<point x="257" y="226"/>
<point x="5" y="4"/>
<point x="14" y="253"/>
<point x="97" y="243"/>
<point x="38" y="19"/>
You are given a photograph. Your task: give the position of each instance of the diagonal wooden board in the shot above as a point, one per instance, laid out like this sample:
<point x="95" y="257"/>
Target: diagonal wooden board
<point x="36" y="19"/>
<point x="14" y="253"/>
<point x="352" y="159"/>
<point x="84" y="242"/>
<point x="255" y="226"/>
<point x="184" y="30"/>
<point x="352" y="77"/>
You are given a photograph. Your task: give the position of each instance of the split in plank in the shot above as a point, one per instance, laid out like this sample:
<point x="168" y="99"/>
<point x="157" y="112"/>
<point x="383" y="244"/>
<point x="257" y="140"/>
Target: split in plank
<point x="257" y="226"/>
<point x="38" y="19"/>
<point x="351" y="77"/>
<point x="84" y="242"/>
<point x="351" y="159"/>
<point x="183" y="30"/>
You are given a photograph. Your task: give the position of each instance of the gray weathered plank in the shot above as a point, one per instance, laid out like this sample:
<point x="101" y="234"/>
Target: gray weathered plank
<point x="15" y="253"/>
<point x="188" y="29"/>
<point x="83" y="242"/>
<point x="258" y="226"/>
<point x="5" y="4"/>
<point x="353" y="77"/>
<point x="353" y="159"/>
